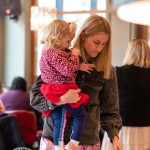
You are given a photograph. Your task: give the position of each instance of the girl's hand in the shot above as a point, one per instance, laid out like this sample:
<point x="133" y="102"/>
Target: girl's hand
<point x="75" y="51"/>
<point x="72" y="96"/>
<point x="116" y="143"/>
<point x="86" y="67"/>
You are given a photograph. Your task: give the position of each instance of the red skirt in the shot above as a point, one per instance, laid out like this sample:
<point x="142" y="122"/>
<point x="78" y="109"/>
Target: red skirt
<point x="53" y="92"/>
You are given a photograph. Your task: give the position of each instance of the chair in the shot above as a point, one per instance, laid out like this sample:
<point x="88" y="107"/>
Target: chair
<point x="27" y="122"/>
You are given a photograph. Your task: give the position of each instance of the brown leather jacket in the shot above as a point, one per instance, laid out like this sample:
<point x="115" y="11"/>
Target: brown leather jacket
<point x="102" y="108"/>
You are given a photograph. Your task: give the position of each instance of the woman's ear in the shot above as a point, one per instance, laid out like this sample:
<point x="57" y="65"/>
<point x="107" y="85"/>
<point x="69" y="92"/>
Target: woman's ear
<point x="83" y="36"/>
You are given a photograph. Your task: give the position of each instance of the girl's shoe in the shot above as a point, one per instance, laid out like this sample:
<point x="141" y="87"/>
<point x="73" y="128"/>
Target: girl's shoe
<point x="71" y="146"/>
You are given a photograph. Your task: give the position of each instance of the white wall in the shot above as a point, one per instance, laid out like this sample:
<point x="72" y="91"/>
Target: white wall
<point x="122" y="33"/>
<point x="1" y="48"/>
<point x="17" y="45"/>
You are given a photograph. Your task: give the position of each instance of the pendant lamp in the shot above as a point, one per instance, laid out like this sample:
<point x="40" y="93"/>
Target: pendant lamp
<point x="137" y="12"/>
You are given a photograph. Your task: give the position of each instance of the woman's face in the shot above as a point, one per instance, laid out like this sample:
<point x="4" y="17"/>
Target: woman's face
<point x="94" y="44"/>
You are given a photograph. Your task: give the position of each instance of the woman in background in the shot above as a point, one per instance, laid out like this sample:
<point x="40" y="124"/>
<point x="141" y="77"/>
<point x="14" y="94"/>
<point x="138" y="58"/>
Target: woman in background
<point x="134" y="95"/>
<point x="17" y="98"/>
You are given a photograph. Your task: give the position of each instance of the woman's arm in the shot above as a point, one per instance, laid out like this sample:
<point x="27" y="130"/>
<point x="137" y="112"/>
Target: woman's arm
<point x="110" y="118"/>
<point x="37" y="100"/>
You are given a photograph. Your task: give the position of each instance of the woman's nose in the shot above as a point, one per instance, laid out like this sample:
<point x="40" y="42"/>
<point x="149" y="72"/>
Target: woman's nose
<point x="99" y="48"/>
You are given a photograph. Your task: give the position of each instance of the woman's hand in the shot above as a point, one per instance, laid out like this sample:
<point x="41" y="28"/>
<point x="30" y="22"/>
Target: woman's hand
<point x="71" y="96"/>
<point x="116" y="143"/>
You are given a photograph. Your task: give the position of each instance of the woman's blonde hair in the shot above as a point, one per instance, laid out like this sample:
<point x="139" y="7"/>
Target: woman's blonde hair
<point x="53" y="33"/>
<point x="137" y="53"/>
<point x="94" y="25"/>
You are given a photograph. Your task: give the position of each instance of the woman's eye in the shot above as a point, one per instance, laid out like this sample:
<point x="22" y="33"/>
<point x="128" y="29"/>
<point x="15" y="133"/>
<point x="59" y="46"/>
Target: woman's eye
<point x="104" y="44"/>
<point x="97" y="43"/>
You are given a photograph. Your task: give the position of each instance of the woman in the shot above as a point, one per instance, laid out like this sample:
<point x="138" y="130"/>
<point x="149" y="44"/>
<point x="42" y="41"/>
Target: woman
<point x="17" y="98"/>
<point x="94" y="42"/>
<point x="134" y="96"/>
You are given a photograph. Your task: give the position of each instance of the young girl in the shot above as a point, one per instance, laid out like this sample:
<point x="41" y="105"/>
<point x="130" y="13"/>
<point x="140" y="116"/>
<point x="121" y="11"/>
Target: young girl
<point x="59" y="67"/>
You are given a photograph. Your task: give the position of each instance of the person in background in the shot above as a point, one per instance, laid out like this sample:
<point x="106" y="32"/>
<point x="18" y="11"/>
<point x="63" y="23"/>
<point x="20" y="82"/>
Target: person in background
<point x="1" y="87"/>
<point x="2" y="107"/>
<point x="134" y="96"/>
<point x="10" y="132"/>
<point x="58" y="69"/>
<point x="94" y="42"/>
<point x="17" y="98"/>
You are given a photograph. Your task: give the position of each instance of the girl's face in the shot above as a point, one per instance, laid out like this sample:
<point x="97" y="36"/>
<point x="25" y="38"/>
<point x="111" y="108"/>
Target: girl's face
<point x="94" y="44"/>
<point x="66" y="41"/>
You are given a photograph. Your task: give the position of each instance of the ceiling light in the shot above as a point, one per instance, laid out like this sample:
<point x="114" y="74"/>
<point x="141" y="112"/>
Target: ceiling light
<point x="137" y="12"/>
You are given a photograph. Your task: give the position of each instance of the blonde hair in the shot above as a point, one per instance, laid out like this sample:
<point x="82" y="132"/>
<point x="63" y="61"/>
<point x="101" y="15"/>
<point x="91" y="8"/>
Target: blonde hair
<point x="53" y="33"/>
<point x="137" y="53"/>
<point x="94" y="25"/>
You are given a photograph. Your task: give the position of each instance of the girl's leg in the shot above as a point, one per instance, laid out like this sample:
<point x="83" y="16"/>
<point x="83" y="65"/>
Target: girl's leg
<point x="79" y="117"/>
<point x="59" y="117"/>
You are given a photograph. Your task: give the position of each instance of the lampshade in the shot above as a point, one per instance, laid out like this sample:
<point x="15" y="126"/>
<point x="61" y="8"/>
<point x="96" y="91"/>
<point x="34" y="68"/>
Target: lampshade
<point x="137" y="12"/>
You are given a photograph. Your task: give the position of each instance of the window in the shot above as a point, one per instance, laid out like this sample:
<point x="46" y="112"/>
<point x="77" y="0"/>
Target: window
<point x="72" y="10"/>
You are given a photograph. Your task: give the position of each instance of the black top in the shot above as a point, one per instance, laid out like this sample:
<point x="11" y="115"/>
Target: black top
<point x="134" y="95"/>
